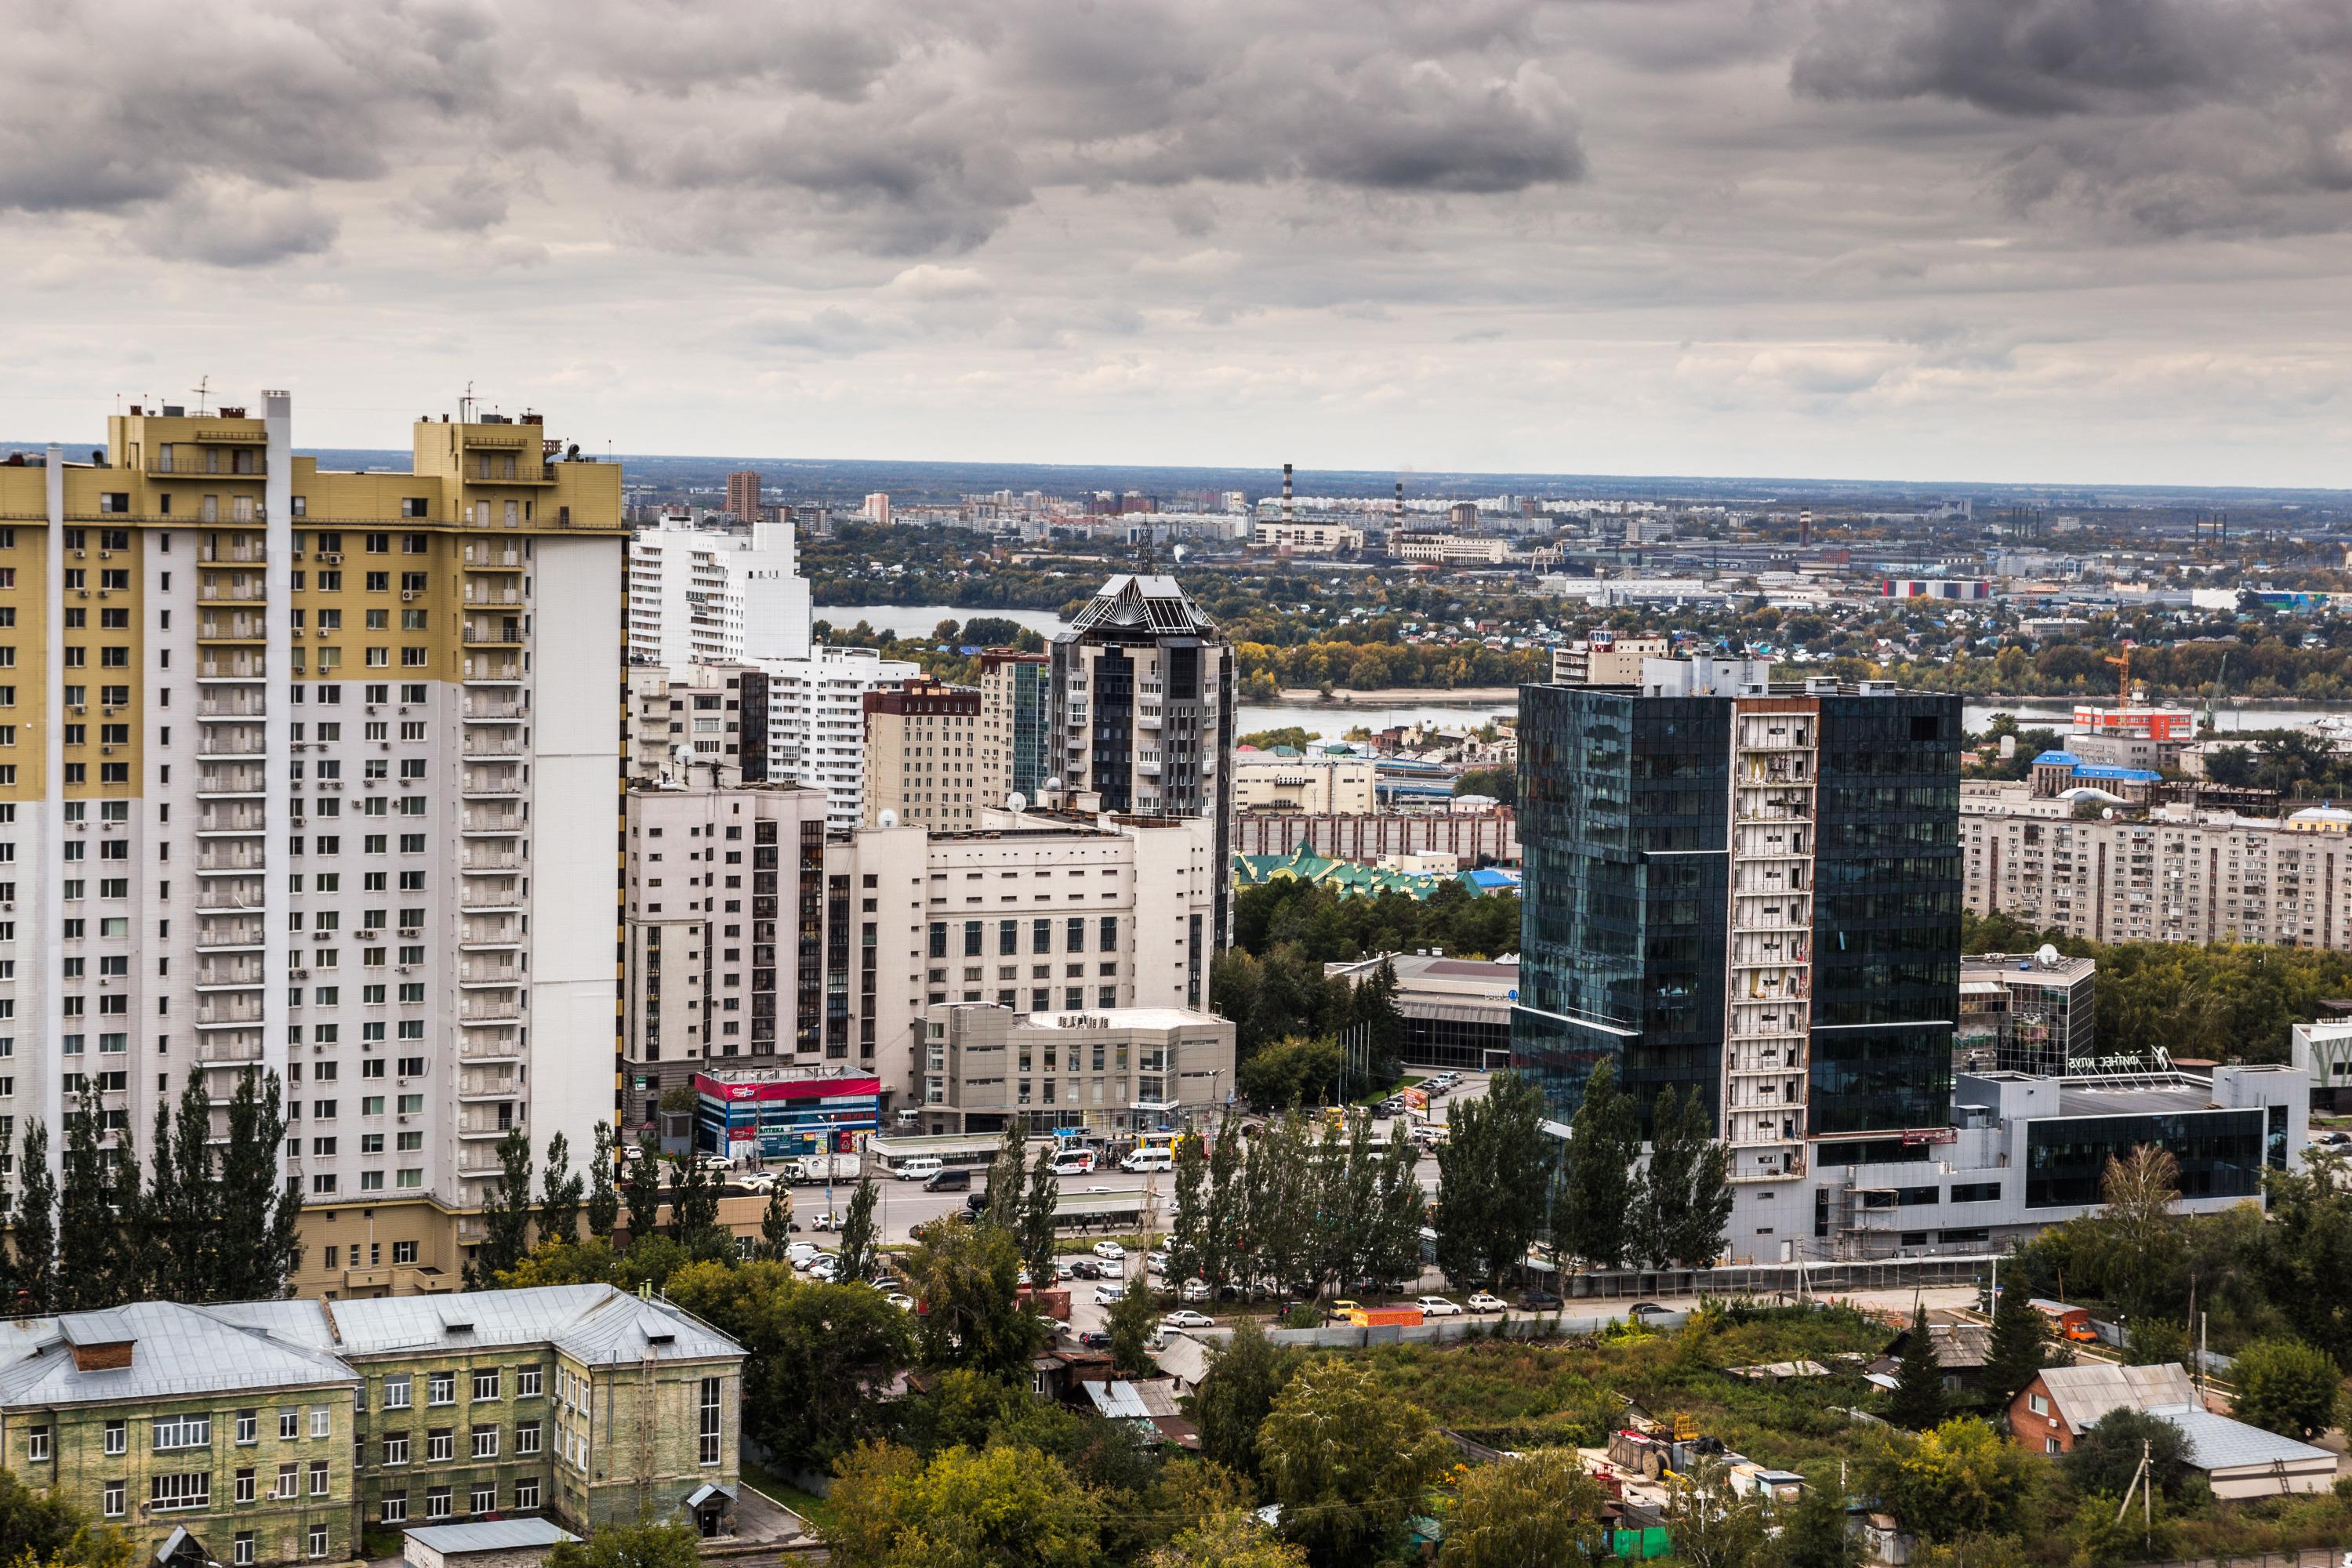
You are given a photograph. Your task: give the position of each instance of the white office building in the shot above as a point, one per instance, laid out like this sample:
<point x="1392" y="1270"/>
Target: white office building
<point x="817" y="721"/>
<point x="711" y="596"/>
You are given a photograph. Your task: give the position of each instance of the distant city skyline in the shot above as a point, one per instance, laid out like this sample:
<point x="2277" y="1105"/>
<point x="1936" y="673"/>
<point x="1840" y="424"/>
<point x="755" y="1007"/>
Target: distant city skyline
<point x="2049" y="241"/>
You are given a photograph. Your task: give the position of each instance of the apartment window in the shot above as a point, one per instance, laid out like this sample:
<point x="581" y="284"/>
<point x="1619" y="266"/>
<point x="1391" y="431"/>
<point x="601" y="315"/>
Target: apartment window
<point x="193" y="1489"/>
<point x="527" y="1493"/>
<point x="707" y="1433"/>
<point x="290" y="1481"/>
<point x="395" y="1507"/>
<point x="36" y="1442"/>
<point x="482" y="1499"/>
<point x="321" y="1417"/>
<point x="111" y="1500"/>
<point x="2037" y="1402"/>
<point x="248" y="1426"/>
<point x="485" y="1383"/>
<point x="318" y="1478"/>
<point x="1077" y="933"/>
<point x="441" y="1387"/>
<point x="971" y="930"/>
<point x="118" y="1437"/>
<point x="486" y="1442"/>
<point x="436" y="1502"/>
<point x="241" y="1553"/>
<point x="396" y="1392"/>
<point x="526" y="1437"/>
<point x="527" y="1379"/>
<point x="1110" y="935"/>
<point x="246" y="1484"/>
<point x="396" y="1448"/>
<point x="183" y="1432"/>
<point x="440" y="1446"/>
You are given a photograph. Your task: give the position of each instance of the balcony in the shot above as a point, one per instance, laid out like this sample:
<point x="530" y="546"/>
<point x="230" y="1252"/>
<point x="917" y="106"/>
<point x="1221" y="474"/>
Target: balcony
<point x="480" y="557"/>
<point x="491" y="822"/>
<point x="232" y="897"/>
<point x="483" y="1085"/>
<point x="484" y="744"/>
<point x="241" y="818"/>
<point x="485" y="1127"/>
<point x="493" y="671"/>
<point x="218" y="856"/>
<point x="238" y="551"/>
<point x="486" y="973"/>
<point x="230" y="628"/>
<point x="490" y="933"/>
<point x="244" y="665"/>
<point x="503" y="782"/>
<point x="231" y="588"/>
<point x="233" y="973"/>
<point x="502" y="897"/>
<point x="228" y="1011"/>
<point x="227" y="1051"/>
<point x="231" y="702"/>
<point x="488" y="594"/>
<point x="502" y="1047"/>
<point x="242" y="741"/>
<point x="493" y="710"/>
<point x="489" y="1009"/>
<point x="230" y="781"/>
<point x="508" y="634"/>
<point x="215" y="934"/>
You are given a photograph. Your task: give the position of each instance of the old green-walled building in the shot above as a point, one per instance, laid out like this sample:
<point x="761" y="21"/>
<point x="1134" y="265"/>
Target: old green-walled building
<point x="268" y="1432"/>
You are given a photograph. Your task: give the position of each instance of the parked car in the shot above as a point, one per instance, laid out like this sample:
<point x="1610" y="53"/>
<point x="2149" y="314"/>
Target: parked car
<point x="1065" y="1268"/>
<point x="1074" y="1163"/>
<point x="1185" y="1318"/>
<point x="1340" y="1307"/>
<point x="1645" y="1310"/>
<point x="829" y="1220"/>
<point x="715" y="1162"/>
<point x="901" y="1301"/>
<point x="1086" y="1268"/>
<point x="1111" y="1252"/>
<point x="1438" y="1307"/>
<point x="1094" y="1339"/>
<point x="956" y="1179"/>
<point x="1540" y="1301"/>
<point x="1195" y="1289"/>
<point x="799" y="1253"/>
<point x="1109" y="1294"/>
<point x="921" y="1168"/>
<point x="756" y="1182"/>
<point x="1487" y="1301"/>
<point x="1155" y="1263"/>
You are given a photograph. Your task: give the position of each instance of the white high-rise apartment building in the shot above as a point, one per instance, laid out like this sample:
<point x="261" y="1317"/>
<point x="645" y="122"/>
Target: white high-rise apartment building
<point x="312" y="772"/>
<point x="707" y="596"/>
<point x="817" y="721"/>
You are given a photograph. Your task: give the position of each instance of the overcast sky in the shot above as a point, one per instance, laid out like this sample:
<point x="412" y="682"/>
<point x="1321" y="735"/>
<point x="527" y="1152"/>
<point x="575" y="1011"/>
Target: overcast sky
<point x="1991" y="240"/>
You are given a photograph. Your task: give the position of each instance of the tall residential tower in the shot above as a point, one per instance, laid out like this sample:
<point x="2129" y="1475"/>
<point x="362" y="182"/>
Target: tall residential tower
<point x="296" y="773"/>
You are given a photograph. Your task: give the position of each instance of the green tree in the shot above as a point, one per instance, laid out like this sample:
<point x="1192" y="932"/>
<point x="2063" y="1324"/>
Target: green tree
<point x="2287" y="1386"/>
<point x="1347" y="1460"/>
<point x="1188" y="1235"/>
<point x="1399" y="1209"/>
<point x="1373" y="1008"/>
<point x="2140" y="1191"/>
<point x="1816" y="1533"/>
<point x="967" y="1277"/>
<point x="260" y="1208"/>
<point x="2304" y="1261"/>
<point x="1003" y="1178"/>
<point x="1662" y="1208"/>
<point x="1537" y="1510"/>
<point x="1234" y="1399"/>
<point x="1290" y="1072"/>
<point x="1221" y="1233"/>
<point x="1278" y="1181"/>
<point x="1230" y="1538"/>
<point x="776" y="1222"/>
<point x="2153" y="1342"/>
<point x="1962" y="1479"/>
<point x="860" y="1251"/>
<point x="641" y="1185"/>
<point x="88" y="1243"/>
<point x="603" y="1199"/>
<point x="1037" y="1227"/>
<point x="640" y="1545"/>
<point x="693" y="1211"/>
<point x="2107" y="1455"/>
<point x="183" y="1200"/>
<point x="1131" y="1321"/>
<point x="1493" y="1171"/>
<point x="2020" y="1345"/>
<point x="1917" y="1400"/>
<point x="820" y="1358"/>
<point x="1593" y="1220"/>
<point x="35" y="1237"/>
<point x="559" y="1193"/>
<point x="41" y="1527"/>
<point x="1001" y="1506"/>
<point x="1711" y="1525"/>
<point x="506" y="1215"/>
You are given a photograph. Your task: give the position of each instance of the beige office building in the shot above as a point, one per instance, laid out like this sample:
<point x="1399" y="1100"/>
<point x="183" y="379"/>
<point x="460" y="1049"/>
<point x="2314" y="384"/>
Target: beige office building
<point x="1117" y="1070"/>
<point x="923" y="765"/>
<point x="1315" y="787"/>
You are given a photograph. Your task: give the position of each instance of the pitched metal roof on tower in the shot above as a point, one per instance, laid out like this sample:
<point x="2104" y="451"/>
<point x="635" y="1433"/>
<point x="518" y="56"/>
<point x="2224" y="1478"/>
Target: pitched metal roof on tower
<point x="1154" y="605"/>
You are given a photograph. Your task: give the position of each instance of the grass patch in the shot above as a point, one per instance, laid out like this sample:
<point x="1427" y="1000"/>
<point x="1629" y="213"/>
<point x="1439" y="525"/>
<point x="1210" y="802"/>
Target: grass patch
<point x="1516" y="1394"/>
<point x="379" y="1541"/>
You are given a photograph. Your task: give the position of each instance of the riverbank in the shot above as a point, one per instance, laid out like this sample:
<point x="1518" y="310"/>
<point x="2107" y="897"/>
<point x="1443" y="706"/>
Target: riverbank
<point x="1395" y="696"/>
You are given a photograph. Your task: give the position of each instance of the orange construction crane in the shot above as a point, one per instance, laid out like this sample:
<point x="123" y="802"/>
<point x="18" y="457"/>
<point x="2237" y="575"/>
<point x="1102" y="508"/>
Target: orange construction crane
<point x="2123" y="686"/>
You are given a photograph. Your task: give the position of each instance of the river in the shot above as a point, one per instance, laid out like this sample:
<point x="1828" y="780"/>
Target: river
<point x="1331" y="721"/>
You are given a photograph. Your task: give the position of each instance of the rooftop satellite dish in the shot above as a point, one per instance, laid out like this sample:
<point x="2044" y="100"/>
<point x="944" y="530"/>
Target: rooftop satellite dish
<point x="1179" y="553"/>
<point x="2107" y="813"/>
<point x="2047" y="956"/>
<point x="682" y="754"/>
<point x="1016" y="801"/>
<point x="1054" y="784"/>
<point x="888" y="819"/>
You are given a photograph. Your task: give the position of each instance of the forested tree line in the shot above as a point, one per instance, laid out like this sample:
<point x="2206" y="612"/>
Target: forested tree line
<point x="2234" y="1000"/>
<point x="191" y="1222"/>
<point x="1303" y="1205"/>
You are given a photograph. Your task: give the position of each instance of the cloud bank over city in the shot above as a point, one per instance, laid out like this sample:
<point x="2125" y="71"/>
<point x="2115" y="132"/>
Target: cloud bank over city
<point x="2012" y="239"/>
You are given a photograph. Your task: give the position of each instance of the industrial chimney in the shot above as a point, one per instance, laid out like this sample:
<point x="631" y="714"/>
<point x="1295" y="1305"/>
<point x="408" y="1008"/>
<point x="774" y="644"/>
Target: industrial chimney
<point x="1286" y="492"/>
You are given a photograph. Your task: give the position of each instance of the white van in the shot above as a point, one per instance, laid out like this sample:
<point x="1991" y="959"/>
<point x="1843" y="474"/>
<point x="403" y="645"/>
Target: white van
<point x="921" y="1168"/>
<point x="1074" y="1163"/>
<point x="1149" y="1159"/>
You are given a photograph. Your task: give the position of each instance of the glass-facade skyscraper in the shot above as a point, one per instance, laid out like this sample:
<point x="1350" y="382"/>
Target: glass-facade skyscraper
<point x="1744" y="887"/>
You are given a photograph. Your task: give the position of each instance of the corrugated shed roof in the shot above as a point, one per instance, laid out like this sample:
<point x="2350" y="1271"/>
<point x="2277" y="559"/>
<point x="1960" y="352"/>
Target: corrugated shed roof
<point x="596" y="1323"/>
<point x="2219" y="1443"/>
<point x="491" y="1535"/>
<point x="2083" y="1394"/>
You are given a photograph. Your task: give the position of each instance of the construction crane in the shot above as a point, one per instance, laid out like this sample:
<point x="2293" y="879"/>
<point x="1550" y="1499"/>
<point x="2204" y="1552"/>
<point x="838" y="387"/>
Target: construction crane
<point x="2123" y="686"/>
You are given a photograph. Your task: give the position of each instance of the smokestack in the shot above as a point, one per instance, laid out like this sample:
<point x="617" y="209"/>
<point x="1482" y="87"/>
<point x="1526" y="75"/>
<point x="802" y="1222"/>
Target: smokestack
<point x="1400" y="504"/>
<point x="1286" y="492"/>
<point x="1805" y="528"/>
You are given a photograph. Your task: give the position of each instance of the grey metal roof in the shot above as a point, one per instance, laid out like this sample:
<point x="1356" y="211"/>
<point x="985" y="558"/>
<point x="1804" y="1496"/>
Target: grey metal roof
<point x="595" y="1323"/>
<point x="179" y="1350"/>
<point x="491" y="1535"/>
<point x="1147" y="605"/>
<point x="2152" y="1100"/>
<point x="1117" y="1400"/>
<point x="176" y="1350"/>
<point x="2083" y="1394"/>
<point x="2219" y="1443"/>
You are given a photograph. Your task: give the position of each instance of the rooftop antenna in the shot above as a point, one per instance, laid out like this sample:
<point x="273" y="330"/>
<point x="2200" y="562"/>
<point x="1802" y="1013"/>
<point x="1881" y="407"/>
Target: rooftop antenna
<point x="203" y="383"/>
<point x="465" y="405"/>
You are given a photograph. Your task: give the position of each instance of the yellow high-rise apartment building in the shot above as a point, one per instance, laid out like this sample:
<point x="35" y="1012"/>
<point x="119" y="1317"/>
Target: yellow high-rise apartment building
<point x="316" y="771"/>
